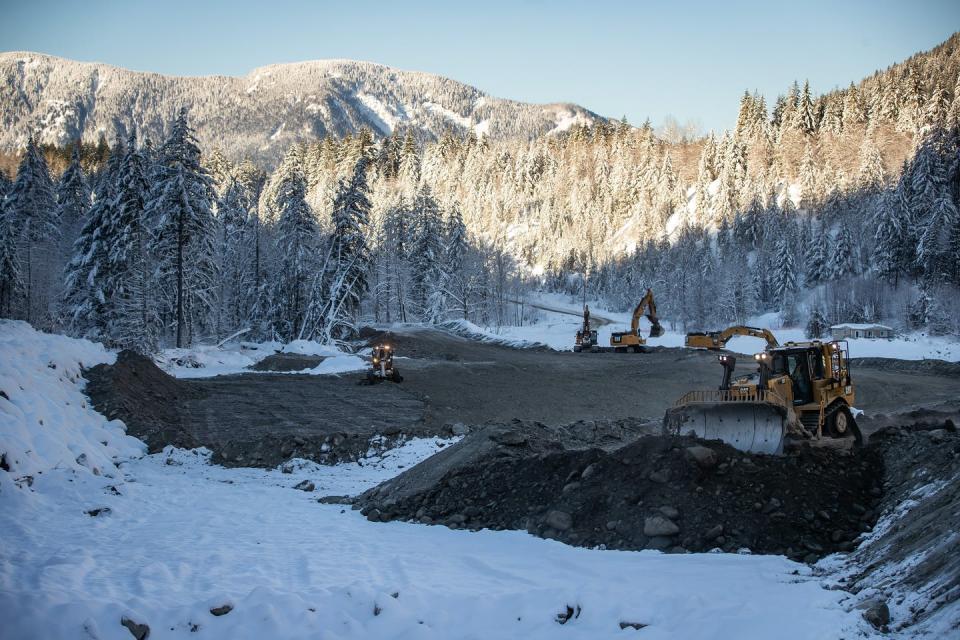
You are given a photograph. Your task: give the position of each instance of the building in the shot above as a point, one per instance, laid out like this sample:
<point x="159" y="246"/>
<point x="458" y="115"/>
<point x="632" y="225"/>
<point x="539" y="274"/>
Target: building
<point x="850" y="330"/>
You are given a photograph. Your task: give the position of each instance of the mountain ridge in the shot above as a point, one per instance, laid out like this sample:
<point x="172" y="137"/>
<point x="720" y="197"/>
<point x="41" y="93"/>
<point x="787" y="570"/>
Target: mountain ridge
<point x="260" y="114"/>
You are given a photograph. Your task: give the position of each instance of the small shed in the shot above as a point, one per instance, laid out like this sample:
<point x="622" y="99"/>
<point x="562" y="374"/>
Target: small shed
<point x="852" y="330"/>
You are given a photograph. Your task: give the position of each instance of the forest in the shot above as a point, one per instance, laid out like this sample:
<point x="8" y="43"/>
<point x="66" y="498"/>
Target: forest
<point x="840" y="207"/>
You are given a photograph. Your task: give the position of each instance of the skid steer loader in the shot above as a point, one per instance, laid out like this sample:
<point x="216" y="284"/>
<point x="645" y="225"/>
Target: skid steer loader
<point x="802" y="390"/>
<point x="381" y="366"/>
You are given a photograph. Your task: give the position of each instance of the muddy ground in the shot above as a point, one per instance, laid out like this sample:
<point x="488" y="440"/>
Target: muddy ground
<point x="450" y="383"/>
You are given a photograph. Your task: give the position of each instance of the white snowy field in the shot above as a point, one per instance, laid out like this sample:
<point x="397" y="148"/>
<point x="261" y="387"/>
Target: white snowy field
<point x="557" y="330"/>
<point x="175" y="537"/>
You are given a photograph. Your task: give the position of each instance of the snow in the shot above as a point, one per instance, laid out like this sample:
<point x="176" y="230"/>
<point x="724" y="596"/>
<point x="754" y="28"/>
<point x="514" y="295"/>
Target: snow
<point x="855" y="326"/>
<point x="566" y="119"/>
<point x="556" y="329"/>
<point x="440" y="110"/>
<point x="45" y="420"/>
<point x="207" y="361"/>
<point x="382" y="116"/>
<point x="175" y="537"/>
<point x="482" y="128"/>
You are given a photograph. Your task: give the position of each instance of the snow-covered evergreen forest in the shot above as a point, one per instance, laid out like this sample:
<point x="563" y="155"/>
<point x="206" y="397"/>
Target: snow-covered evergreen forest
<point x="824" y="208"/>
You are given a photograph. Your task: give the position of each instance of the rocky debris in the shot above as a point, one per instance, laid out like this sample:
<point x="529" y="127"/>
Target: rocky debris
<point x="910" y="566"/>
<point x="134" y="389"/>
<point x="617" y="490"/>
<point x="222" y="610"/>
<point x="632" y="625"/>
<point x="137" y="630"/>
<point x="93" y="513"/>
<point x="305" y="485"/>
<point x="287" y="362"/>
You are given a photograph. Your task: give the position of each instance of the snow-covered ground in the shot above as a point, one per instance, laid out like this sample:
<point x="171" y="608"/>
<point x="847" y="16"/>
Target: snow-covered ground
<point x="205" y="361"/>
<point x="175" y="537"/>
<point x="557" y="331"/>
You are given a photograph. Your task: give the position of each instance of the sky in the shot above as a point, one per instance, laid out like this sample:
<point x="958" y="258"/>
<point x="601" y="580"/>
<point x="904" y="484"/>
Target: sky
<point x="690" y="61"/>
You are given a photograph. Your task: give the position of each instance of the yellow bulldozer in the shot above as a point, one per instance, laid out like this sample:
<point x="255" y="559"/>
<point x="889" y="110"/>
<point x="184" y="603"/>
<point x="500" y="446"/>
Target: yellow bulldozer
<point x="801" y="390"/>
<point x="631" y="341"/>
<point x="717" y="340"/>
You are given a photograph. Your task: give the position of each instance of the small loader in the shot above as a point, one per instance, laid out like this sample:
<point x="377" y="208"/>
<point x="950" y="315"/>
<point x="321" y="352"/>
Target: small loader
<point x="381" y="366"/>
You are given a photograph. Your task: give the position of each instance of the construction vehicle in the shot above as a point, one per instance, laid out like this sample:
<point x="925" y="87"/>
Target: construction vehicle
<point x="586" y="337"/>
<point x="382" y="367"/>
<point x="802" y="390"/>
<point x="717" y="340"/>
<point x="631" y="341"/>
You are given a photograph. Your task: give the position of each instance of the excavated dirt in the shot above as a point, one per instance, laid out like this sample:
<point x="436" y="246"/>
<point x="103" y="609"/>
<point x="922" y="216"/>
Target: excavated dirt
<point x="286" y="362"/>
<point x="257" y="420"/>
<point x="653" y="492"/>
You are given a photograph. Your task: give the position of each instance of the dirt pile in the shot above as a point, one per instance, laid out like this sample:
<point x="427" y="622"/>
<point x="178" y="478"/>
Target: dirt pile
<point x="910" y="561"/>
<point x="287" y="362"/>
<point x="134" y="389"/>
<point x="655" y="492"/>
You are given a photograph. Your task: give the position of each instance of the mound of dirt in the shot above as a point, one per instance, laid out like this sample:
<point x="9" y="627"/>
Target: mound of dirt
<point x="608" y="488"/>
<point x="286" y="362"/>
<point x="146" y="398"/>
<point x="940" y="368"/>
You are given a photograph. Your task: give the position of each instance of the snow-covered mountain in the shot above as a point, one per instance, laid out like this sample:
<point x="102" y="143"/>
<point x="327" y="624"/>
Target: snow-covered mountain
<point x="260" y="114"/>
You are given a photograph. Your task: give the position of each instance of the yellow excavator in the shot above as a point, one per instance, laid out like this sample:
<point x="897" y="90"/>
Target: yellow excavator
<point x="631" y="341"/>
<point x="717" y="340"/>
<point x="801" y="390"/>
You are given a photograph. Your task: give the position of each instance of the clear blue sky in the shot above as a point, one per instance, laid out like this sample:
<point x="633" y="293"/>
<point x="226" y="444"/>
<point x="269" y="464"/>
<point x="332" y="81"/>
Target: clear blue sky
<point x="640" y="59"/>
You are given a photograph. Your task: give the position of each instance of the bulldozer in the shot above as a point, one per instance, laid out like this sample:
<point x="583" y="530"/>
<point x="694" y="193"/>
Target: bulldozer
<point x="801" y="391"/>
<point x="586" y="337"/>
<point x="717" y="340"/>
<point x="631" y="341"/>
<point x="381" y="366"/>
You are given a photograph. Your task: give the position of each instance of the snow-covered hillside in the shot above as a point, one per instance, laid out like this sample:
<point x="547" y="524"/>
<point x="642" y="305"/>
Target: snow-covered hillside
<point x="259" y="115"/>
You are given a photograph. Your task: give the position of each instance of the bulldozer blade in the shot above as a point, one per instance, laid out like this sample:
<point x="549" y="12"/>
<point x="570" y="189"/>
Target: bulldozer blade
<point x="755" y="428"/>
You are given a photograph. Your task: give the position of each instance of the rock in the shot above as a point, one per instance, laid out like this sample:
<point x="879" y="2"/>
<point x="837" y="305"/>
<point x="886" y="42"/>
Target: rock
<point x="559" y="520"/>
<point x="305" y="485"/>
<point x="713" y="532"/>
<point x="705" y="457"/>
<point x="772" y="505"/>
<point x="877" y="613"/>
<point x="509" y="438"/>
<point x="612" y="524"/>
<point x="659" y="526"/>
<point x="813" y="546"/>
<point x="632" y="625"/>
<point x="222" y="610"/>
<point x="573" y="486"/>
<point x="137" y="630"/>
<point x="589" y="471"/>
<point x="659" y="543"/>
<point x="662" y="476"/>
<point x="670" y="512"/>
<point x="459" y="429"/>
<point x="457" y="518"/>
<point x="373" y="515"/>
<point x="93" y="513"/>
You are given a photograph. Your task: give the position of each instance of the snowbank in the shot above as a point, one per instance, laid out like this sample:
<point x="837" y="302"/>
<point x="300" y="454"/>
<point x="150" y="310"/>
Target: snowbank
<point x="207" y="361"/>
<point x="509" y="336"/>
<point x="45" y="420"/>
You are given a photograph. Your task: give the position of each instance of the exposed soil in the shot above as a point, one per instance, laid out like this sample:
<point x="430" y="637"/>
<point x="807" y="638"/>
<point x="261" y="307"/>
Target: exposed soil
<point x="659" y="492"/>
<point x="285" y="362"/>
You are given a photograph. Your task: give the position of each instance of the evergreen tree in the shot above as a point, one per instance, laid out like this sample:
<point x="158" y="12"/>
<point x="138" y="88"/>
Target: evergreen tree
<point x="842" y="259"/>
<point x="30" y="211"/>
<point x="11" y="280"/>
<point x="297" y="240"/>
<point x="816" y="325"/>
<point x="180" y="206"/>
<point x="73" y="198"/>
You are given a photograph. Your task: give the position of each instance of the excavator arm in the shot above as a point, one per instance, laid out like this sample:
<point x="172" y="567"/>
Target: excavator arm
<point x="717" y="340"/>
<point x="647" y="302"/>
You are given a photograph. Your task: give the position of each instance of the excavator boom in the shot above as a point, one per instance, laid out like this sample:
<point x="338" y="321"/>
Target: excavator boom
<point x="717" y="340"/>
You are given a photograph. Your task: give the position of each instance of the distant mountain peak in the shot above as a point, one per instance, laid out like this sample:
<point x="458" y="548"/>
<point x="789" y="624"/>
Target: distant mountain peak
<point x="258" y="115"/>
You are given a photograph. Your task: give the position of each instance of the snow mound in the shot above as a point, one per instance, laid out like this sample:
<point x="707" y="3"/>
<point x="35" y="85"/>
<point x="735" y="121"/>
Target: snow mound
<point x="46" y="421"/>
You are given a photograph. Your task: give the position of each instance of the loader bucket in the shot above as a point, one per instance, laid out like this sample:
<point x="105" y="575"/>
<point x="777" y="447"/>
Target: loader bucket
<point x="752" y="427"/>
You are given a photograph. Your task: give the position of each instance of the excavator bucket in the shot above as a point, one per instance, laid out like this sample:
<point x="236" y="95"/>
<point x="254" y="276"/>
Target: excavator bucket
<point x="656" y="329"/>
<point x="754" y="427"/>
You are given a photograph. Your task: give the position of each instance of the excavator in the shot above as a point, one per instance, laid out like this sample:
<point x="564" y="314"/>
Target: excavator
<point x="801" y="391"/>
<point x="382" y="367"/>
<point x="586" y="337"/>
<point x="717" y="340"/>
<point x="631" y="341"/>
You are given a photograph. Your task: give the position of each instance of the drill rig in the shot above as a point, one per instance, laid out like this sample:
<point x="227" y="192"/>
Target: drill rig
<point x="586" y="337"/>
